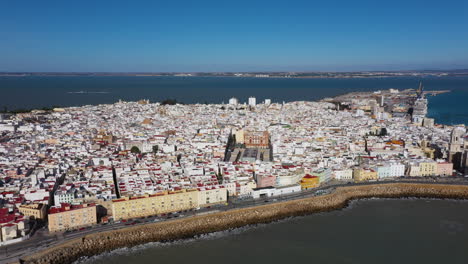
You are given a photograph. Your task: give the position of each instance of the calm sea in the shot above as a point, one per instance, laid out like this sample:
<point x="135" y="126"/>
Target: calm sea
<point x="35" y="92"/>
<point x="371" y="231"/>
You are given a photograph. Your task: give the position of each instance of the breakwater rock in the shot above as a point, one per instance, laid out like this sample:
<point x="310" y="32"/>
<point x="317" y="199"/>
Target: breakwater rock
<point x="97" y="243"/>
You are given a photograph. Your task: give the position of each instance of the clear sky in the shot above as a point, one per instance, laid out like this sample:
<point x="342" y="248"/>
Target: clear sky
<point x="240" y="35"/>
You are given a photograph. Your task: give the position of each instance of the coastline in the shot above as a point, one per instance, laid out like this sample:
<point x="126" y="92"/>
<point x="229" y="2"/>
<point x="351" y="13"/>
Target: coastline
<point x="16" y="104"/>
<point x="98" y="243"/>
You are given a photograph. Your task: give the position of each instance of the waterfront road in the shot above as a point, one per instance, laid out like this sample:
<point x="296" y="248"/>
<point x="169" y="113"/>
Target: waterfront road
<point x="42" y="239"/>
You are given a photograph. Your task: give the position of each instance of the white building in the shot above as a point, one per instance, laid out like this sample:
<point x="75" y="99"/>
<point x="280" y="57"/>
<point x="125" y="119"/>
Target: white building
<point x="397" y="170"/>
<point x="207" y="196"/>
<point x="345" y="174"/>
<point x="63" y="197"/>
<point x="272" y="191"/>
<point x="10" y="128"/>
<point x="252" y="101"/>
<point x="233" y="101"/>
<point x="285" y="180"/>
<point x="267" y="101"/>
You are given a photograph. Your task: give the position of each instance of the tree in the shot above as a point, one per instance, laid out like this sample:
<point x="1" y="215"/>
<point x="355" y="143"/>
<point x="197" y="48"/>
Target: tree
<point x="383" y="132"/>
<point x="155" y="149"/>
<point x="169" y="102"/>
<point x="219" y="177"/>
<point x="135" y="150"/>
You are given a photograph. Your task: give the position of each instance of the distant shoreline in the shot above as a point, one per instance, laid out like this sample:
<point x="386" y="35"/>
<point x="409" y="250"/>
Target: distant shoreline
<point x="255" y="74"/>
<point x="98" y="243"/>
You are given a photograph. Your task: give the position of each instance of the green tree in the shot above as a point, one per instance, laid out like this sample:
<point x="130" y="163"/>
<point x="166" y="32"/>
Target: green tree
<point x="169" y="102"/>
<point x="383" y="132"/>
<point x="135" y="150"/>
<point x="155" y="149"/>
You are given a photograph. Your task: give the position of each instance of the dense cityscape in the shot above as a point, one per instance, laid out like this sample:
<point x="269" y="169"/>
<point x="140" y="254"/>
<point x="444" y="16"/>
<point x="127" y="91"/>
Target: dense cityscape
<point x="235" y="132"/>
<point x="70" y="168"/>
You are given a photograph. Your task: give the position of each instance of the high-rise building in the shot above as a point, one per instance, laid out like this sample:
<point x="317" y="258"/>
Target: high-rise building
<point x="233" y="101"/>
<point x="419" y="110"/>
<point x="419" y="106"/>
<point x="252" y="101"/>
<point x="267" y="101"/>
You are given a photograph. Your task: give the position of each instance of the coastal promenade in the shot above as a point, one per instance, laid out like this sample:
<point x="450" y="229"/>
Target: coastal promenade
<point x="66" y="248"/>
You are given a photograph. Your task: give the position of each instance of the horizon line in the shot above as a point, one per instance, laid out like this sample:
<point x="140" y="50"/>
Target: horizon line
<point x="259" y="71"/>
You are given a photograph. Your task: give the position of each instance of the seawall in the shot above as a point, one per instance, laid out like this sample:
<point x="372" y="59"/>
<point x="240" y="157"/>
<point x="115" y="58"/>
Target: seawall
<point x="97" y="243"/>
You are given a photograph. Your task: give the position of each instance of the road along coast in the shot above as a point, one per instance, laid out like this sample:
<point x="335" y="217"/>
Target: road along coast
<point x="98" y="243"/>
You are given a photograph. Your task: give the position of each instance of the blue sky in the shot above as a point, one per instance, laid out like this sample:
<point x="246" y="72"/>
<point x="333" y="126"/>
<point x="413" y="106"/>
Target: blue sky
<point x="232" y="35"/>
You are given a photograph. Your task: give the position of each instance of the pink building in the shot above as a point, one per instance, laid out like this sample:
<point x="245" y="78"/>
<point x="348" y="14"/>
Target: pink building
<point x="444" y="169"/>
<point x="266" y="181"/>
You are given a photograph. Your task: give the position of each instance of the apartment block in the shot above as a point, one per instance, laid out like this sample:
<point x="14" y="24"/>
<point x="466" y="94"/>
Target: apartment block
<point x="68" y="217"/>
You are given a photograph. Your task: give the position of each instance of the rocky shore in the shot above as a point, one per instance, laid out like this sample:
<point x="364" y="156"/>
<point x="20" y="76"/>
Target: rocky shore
<point x="97" y="243"/>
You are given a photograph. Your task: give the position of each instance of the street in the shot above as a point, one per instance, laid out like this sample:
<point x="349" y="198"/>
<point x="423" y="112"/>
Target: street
<point x="42" y="239"/>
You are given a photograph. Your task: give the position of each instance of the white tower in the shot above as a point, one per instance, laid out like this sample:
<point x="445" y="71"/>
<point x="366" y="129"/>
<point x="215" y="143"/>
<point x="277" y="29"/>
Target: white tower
<point x="233" y="101"/>
<point x="456" y="139"/>
<point x="455" y="146"/>
<point x="252" y="101"/>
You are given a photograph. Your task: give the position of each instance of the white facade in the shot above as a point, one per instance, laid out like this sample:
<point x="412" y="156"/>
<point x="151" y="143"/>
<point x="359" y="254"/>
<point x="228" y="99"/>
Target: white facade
<point x="7" y="127"/>
<point x="390" y="170"/>
<point x="233" y="101"/>
<point x="346" y="174"/>
<point x="63" y="198"/>
<point x="271" y="191"/>
<point x="212" y="196"/>
<point x="25" y="128"/>
<point x="267" y="101"/>
<point x="230" y="188"/>
<point x="245" y="189"/>
<point x="287" y="190"/>
<point x="285" y="180"/>
<point x="397" y="170"/>
<point x="252" y="101"/>
<point x="36" y="195"/>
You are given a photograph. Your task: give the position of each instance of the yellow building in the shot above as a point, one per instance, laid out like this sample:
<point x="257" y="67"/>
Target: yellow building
<point x="428" y="168"/>
<point x="414" y="170"/>
<point x="68" y="217"/>
<point x="160" y="203"/>
<point x="35" y="211"/>
<point x="364" y="175"/>
<point x="207" y="196"/>
<point x="309" y="181"/>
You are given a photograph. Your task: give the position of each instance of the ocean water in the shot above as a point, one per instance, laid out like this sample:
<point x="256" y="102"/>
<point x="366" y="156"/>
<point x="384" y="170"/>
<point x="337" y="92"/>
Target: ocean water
<point x="36" y="92"/>
<point x="369" y="232"/>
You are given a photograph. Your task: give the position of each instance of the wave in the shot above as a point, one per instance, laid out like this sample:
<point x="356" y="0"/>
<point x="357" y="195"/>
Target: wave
<point x="132" y="250"/>
<point x="126" y="251"/>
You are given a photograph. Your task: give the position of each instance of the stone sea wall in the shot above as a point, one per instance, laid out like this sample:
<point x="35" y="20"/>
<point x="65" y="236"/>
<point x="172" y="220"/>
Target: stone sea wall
<point x="97" y="243"/>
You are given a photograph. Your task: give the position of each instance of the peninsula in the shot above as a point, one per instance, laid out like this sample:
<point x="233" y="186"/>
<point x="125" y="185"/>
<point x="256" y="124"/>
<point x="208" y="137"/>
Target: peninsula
<point x="85" y="177"/>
